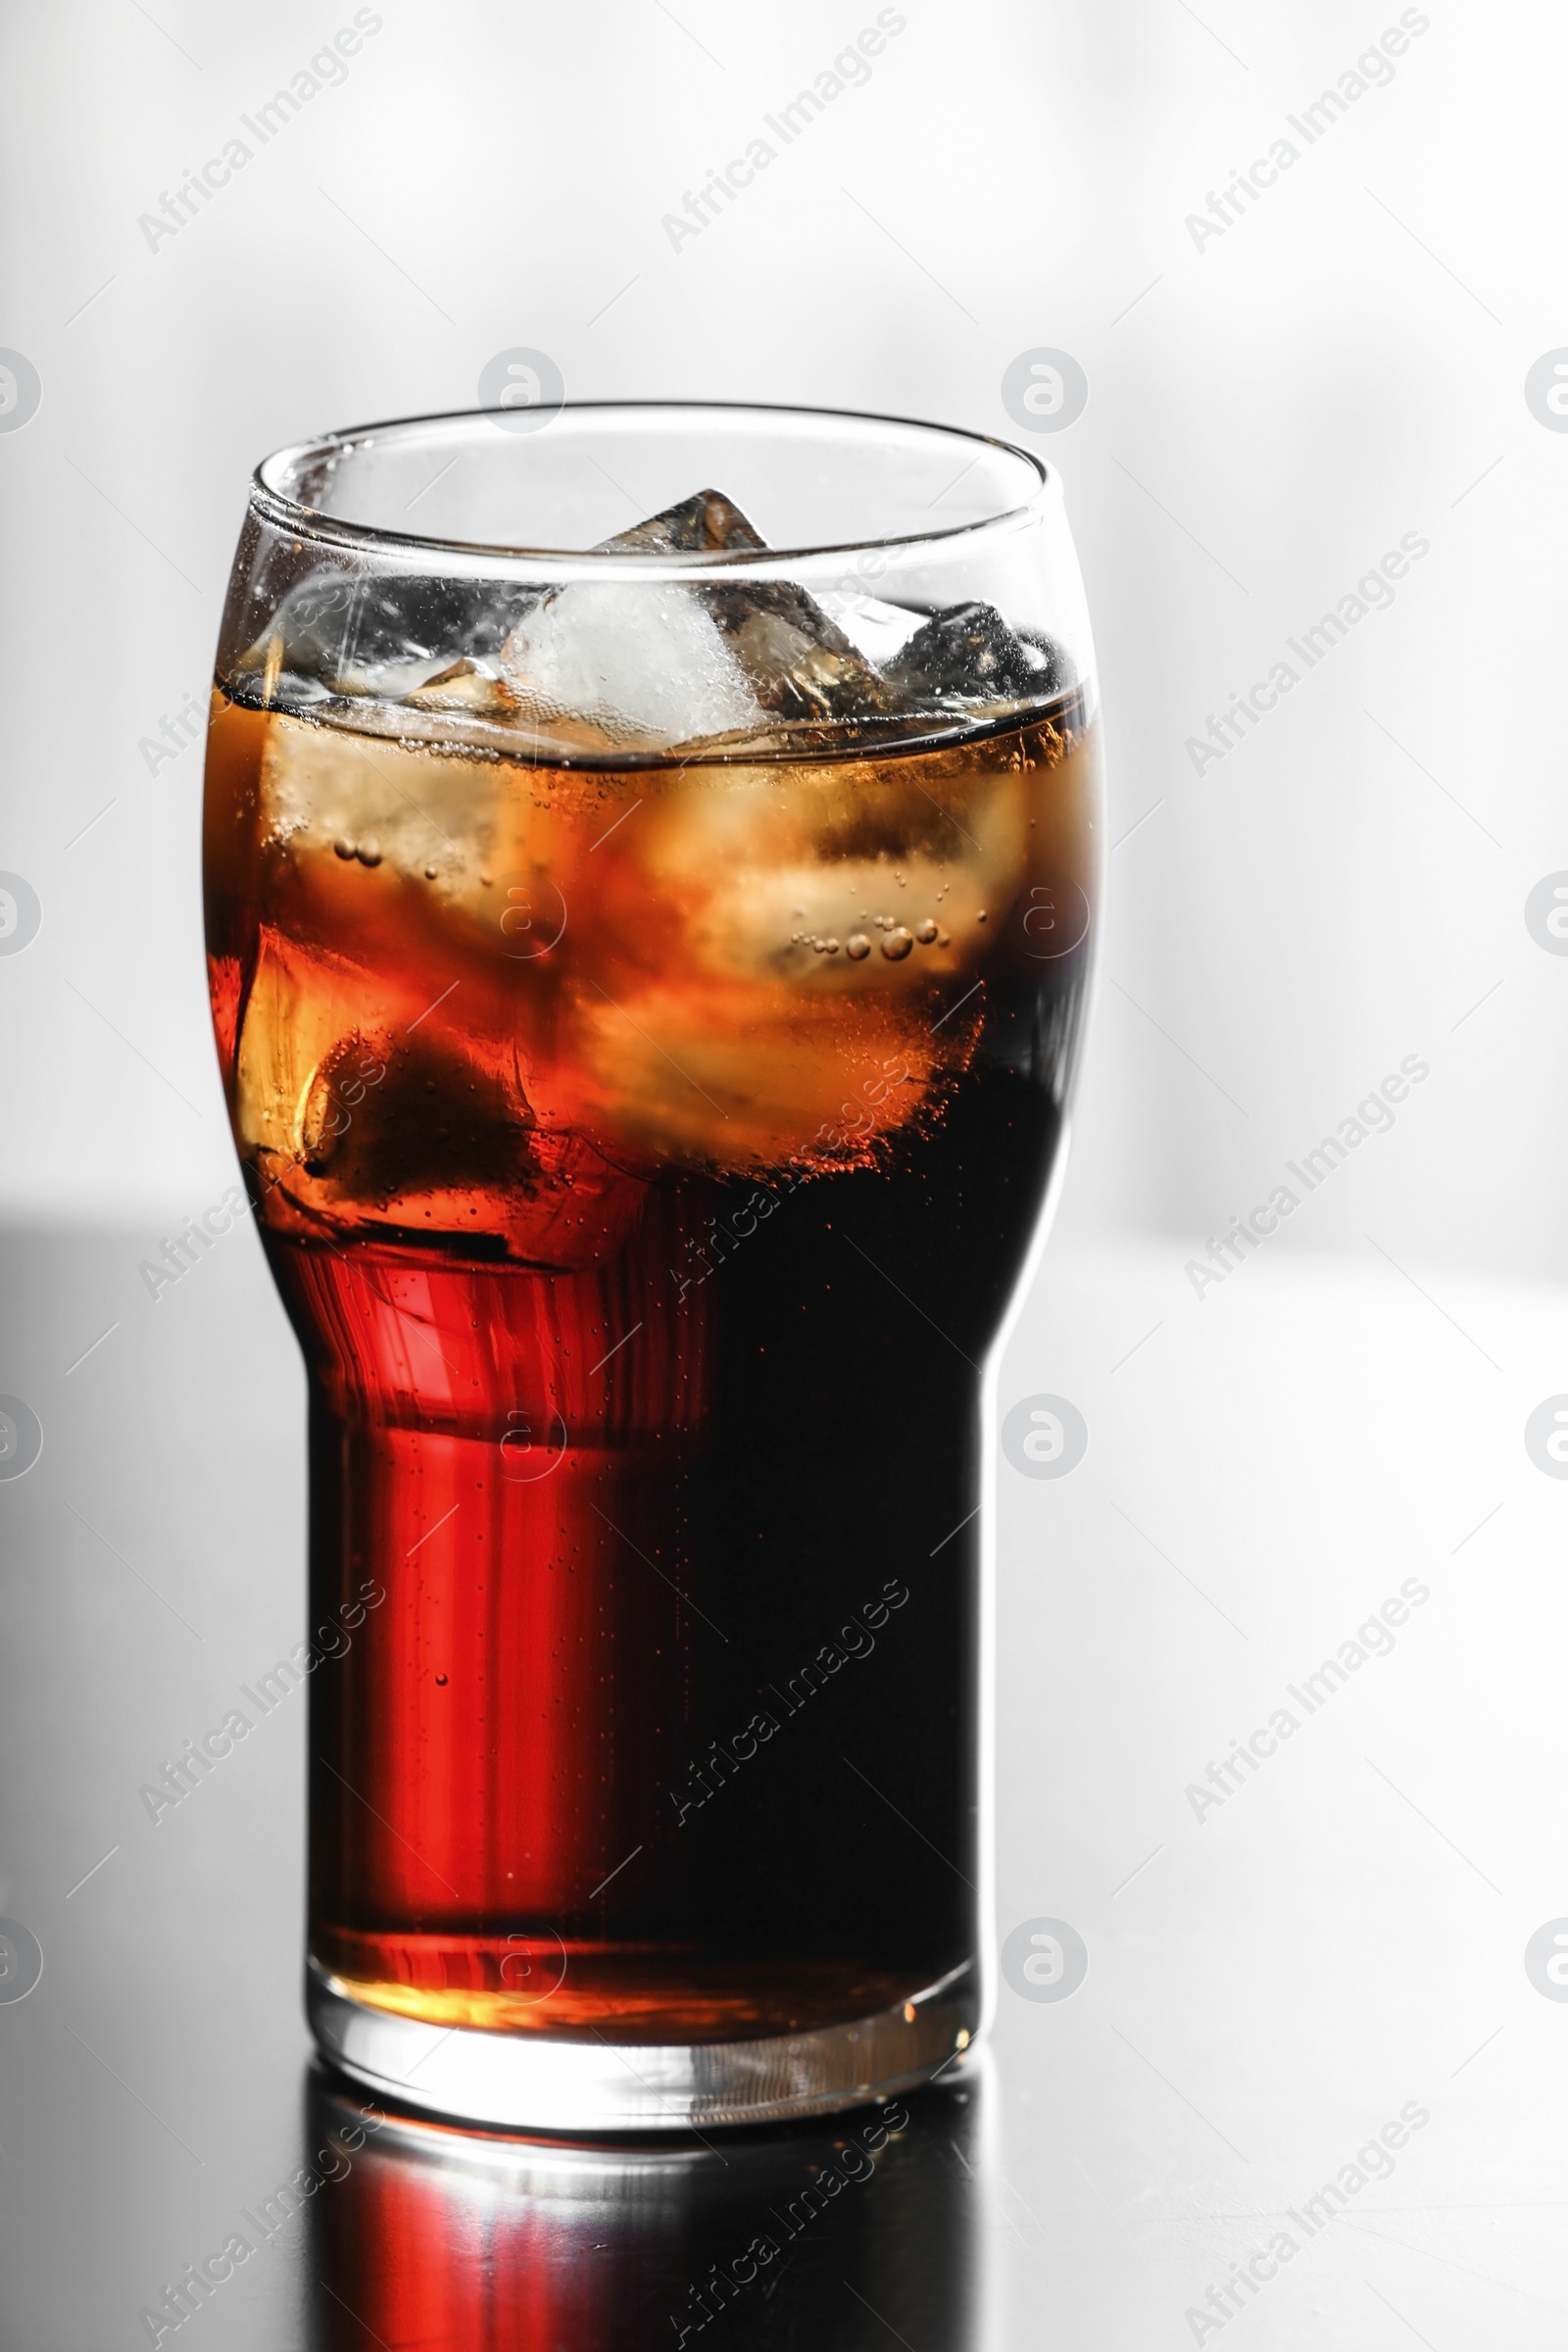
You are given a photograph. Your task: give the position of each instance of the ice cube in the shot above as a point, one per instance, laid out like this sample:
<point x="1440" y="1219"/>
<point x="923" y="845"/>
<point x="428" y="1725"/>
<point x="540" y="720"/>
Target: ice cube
<point x="705" y="523"/>
<point x="356" y="635"/>
<point x="766" y="863"/>
<point x="968" y="653"/>
<point x="798" y="663"/>
<point x="847" y="657"/>
<point x="876" y="630"/>
<point x="354" y="1120"/>
<point x="320" y="785"/>
<point x="466" y="685"/>
<point x="642" y="665"/>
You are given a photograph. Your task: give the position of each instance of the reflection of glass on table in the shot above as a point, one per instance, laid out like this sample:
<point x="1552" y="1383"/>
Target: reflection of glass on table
<point x="837" y="2236"/>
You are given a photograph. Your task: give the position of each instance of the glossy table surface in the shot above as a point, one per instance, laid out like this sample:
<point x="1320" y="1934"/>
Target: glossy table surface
<point x="1308" y="2089"/>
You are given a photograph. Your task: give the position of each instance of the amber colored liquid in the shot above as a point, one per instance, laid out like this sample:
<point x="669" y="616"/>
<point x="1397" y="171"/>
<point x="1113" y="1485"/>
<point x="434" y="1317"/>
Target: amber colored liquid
<point x="644" y="1277"/>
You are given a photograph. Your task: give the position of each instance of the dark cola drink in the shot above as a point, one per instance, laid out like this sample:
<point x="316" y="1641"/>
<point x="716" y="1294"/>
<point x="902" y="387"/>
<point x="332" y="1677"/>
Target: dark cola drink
<point x="647" y="1149"/>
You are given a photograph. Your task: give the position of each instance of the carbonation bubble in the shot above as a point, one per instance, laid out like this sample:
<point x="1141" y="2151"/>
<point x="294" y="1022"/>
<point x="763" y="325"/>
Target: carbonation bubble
<point x="343" y="849"/>
<point x="369" y="851"/>
<point x="925" y="932"/>
<point x="857" y="947"/>
<point x="896" y="945"/>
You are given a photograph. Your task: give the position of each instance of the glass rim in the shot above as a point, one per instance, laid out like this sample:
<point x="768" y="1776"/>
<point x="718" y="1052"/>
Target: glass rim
<point x="303" y="521"/>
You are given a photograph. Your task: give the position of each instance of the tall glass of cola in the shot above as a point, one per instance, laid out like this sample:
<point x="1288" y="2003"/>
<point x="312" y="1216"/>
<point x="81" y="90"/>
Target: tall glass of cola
<point x="651" y="857"/>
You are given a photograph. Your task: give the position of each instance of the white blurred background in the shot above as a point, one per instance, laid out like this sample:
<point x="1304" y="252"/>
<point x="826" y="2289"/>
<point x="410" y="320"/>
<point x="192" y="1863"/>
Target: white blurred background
<point x="1270" y="410"/>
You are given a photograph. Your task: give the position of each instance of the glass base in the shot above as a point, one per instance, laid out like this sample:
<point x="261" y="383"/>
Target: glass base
<point x="533" y="2084"/>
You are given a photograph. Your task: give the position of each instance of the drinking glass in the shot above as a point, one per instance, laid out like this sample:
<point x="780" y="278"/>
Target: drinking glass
<point x="649" y="852"/>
